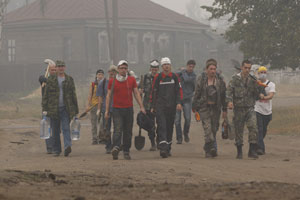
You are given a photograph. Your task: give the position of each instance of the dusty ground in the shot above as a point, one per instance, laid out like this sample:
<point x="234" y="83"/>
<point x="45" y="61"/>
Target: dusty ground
<point x="27" y="172"/>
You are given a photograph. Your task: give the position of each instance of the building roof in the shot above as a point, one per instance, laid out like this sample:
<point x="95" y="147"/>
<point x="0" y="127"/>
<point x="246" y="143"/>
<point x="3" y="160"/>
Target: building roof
<point x="94" y="9"/>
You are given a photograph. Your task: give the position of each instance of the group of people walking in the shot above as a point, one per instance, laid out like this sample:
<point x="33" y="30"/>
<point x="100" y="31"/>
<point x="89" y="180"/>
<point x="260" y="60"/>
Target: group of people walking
<point x="163" y="97"/>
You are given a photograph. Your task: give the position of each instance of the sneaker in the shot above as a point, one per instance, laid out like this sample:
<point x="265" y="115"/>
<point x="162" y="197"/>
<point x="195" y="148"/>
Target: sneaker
<point x="127" y="156"/>
<point x="56" y="154"/>
<point x="153" y="148"/>
<point x="108" y="151"/>
<point x="94" y="142"/>
<point x="169" y="154"/>
<point x="260" y="152"/>
<point x="208" y="155"/>
<point x="179" y="141"/>
<point x="68" y="150"/>
<point x="186" y="138"/>
<point x="115" y="153"/>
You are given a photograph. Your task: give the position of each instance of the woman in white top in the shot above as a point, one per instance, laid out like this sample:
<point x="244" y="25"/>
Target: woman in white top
<point x="263" y="109"/>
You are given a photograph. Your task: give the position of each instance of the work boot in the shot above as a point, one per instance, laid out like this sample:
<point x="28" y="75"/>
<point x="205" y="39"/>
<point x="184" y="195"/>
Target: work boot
<point x="164" y="153"/>
<point x="153" y="145"/>
<point x="239" y="151"/>
<point x="127" y="156"/>
<point x="115" y="153"/>
<point x="68" y="150"/>
<point x="252" y="151"/>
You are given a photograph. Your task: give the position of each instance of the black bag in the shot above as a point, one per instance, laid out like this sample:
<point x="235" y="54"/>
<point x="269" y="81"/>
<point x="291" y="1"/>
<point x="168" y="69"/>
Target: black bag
<point x="144" y="121"/>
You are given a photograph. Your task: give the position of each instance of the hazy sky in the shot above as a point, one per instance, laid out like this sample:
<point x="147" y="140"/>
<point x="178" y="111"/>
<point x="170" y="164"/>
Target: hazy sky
<point x="179" y="5"/>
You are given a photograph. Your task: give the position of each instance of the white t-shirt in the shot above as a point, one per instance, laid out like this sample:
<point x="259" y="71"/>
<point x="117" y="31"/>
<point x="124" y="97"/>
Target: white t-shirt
<point x="264" y="107"/>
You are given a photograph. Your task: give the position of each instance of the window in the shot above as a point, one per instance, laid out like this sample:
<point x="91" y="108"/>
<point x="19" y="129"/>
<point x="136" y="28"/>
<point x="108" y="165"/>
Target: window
<point x="11" y="51"/>
<point x="148" y="41"/>
<point x="132" y="44"/>
<point x="163" y="43"/>
<point x="188" y="54"/>
<point x="67" y="49"/>
<point x="104" y="56"/>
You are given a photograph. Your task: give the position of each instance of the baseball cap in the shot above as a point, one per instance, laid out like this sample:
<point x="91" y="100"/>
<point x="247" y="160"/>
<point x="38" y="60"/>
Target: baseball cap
<point x="122" y="62"/>
<point x="165" y="60"/>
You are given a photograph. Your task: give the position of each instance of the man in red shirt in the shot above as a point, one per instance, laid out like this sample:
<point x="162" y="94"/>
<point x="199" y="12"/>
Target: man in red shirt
<point x="121" y="89"/>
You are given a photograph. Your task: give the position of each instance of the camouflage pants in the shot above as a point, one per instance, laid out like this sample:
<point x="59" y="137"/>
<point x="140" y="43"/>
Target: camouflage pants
<point x="210" y="117"/>
<point x="241" y="117"/>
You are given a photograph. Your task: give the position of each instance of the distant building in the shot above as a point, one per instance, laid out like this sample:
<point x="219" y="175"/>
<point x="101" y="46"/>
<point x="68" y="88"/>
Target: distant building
<point x="75" y="31"/>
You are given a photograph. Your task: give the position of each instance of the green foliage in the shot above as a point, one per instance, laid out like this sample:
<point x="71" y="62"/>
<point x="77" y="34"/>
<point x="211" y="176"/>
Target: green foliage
<point x="268" y="31"/>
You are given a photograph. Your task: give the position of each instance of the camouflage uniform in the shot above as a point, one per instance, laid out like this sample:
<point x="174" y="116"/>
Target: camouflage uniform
<point x="146" y="85"/>
<point x="243" y="94"/>
<point x="209" y="114"/>
<point x="51" y="97"/>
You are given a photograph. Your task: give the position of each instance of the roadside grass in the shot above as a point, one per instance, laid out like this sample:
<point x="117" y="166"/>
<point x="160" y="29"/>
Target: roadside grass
<point x="287" y="90"/>
<point x="13" y="107"/>
<point x="286" y="120"/>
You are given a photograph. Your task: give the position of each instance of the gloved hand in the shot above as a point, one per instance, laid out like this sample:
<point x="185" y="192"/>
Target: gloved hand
<point x="42" y="79"/>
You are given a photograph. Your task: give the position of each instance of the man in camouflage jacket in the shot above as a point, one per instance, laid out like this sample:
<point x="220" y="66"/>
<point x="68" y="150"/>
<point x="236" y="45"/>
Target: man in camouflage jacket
<point x="242" y="92"/>
<point x="60" y="103"/>
<point x="209" y="106"/>
<point x="146" y="88"/>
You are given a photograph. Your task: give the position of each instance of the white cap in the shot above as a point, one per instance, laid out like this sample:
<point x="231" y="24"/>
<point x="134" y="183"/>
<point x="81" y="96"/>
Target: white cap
<point x="165" y="60"/>
<point x="123" y="62"/>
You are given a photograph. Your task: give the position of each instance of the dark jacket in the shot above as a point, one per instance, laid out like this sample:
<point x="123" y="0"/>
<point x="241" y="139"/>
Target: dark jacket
<point x="166" y="91"/>
<point x="50" y="100"/>
<point x="187" y="81"/>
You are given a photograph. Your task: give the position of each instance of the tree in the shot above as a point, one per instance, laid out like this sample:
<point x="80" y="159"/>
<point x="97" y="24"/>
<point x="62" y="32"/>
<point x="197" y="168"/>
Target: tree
<point x="268" y="31"/>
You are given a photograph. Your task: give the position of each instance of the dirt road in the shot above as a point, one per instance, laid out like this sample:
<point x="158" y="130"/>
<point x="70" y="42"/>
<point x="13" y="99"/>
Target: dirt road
<point x="27" y="172"/>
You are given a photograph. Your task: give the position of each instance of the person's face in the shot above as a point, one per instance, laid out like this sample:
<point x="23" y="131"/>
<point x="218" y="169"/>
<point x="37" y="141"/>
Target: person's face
<point x="112" y="74"/>
<point x="211" y="71"/>
<point x="100" y="76"/>
<point x="60" y="69"/>
<point x="262" y="75"/>
<point x="123" y="70"/>
<point x="154" y="70"/>
<point x="190" y="68"/>
<point x="246" y="69"/>
<point x="52" y="70"/>
<point x="166" y="68"/>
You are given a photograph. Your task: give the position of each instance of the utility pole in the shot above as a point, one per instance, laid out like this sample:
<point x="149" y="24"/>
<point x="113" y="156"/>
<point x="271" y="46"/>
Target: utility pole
<point x="108" y="30"/>
<point x="115" y="15"/>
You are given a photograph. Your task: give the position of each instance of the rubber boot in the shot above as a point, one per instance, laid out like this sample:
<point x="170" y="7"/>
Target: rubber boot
<point x="239" y="151"/>
<point x="252" y="151"/>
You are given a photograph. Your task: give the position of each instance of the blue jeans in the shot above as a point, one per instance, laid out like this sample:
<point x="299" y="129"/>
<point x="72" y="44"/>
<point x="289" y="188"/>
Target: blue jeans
<point x="64" y="122"/>
<point x="187" y="112"/>
<point x="262" y="126"/>
<point x="123" y="122"/>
